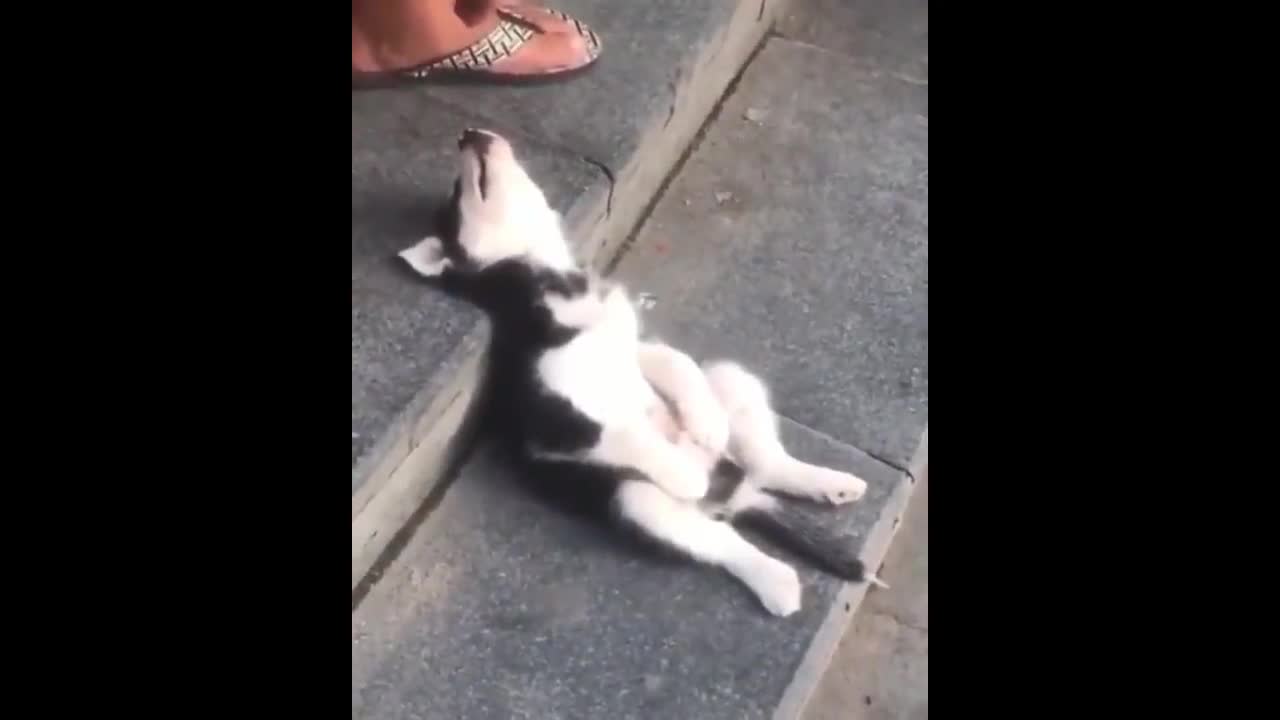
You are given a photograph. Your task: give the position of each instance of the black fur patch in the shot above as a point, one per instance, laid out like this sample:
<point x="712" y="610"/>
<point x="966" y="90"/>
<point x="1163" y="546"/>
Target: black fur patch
<point x="726" y="477"/>
<point x="552" y="424"/>
<point x="518" y="410"/>
<point x="510" y="292"/>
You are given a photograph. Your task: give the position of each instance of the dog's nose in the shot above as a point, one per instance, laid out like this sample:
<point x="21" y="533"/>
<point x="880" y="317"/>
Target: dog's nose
<point x="478" y="140"/>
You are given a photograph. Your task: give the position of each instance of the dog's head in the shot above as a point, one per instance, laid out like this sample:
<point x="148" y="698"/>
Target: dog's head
<point x="496" y="213"/>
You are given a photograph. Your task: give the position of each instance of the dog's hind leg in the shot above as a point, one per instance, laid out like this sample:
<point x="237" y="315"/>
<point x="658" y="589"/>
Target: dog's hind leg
<point x="678" y="378"/>
<point x="755" y="445"/>
<point x="685" y="528"/>
<point x="640" y="446"/>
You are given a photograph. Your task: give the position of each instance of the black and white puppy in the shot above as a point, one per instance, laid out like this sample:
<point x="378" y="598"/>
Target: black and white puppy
<point x="619" y="424"/>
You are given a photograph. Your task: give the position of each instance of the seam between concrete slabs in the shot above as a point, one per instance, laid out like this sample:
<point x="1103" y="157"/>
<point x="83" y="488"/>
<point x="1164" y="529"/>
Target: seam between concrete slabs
<point x="865" y="62"/>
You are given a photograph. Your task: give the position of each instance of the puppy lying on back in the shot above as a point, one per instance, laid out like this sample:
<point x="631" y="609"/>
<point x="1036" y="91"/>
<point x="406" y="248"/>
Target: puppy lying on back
<point x="618" y="424"/>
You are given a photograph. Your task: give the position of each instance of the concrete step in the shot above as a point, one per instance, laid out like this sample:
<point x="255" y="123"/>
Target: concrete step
<point x="602" y="144"/>
<point x="795" y="240"/>
<point x="503" y="608"/>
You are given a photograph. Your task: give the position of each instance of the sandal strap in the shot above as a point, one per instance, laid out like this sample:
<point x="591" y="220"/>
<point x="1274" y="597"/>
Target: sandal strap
<point x="586" y="32"/>
<point x="503" y="41"/>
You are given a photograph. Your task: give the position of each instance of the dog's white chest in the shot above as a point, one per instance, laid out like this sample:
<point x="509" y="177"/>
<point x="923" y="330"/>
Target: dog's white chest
<point x="599" y="376"/>
<point x="597" y="370"/>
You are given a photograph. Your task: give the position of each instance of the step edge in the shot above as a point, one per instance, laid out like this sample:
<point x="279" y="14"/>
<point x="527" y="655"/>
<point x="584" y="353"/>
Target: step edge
<point x="822" y="648"/>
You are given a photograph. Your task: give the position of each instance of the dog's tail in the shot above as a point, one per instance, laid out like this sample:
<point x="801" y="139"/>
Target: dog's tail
<point x="795" y="531"/>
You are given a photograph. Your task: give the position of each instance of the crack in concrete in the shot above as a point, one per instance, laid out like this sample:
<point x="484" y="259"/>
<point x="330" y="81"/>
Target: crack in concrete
<point x="674" y="87"/>
<point x="897" y="620"/>
<point x="870" y="65"/>
<point x="909" y="79"/>
<point x="678" y="166"/>
<point x="608" y="174"/>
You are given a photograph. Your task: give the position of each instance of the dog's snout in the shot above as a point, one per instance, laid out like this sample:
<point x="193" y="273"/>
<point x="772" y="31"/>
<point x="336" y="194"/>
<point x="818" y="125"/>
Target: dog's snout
<point x="477" y="140"/>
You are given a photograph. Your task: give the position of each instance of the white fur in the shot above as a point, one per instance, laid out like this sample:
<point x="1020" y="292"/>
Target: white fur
<point x="427" y="257"/>
<point x="755" y="444"/>
<point x="598" y="372"/>
<point x="659" y="411"/>
<point x="686" y="527"/>
<point x="679" y="379"/>
<point x="513" y="217"/>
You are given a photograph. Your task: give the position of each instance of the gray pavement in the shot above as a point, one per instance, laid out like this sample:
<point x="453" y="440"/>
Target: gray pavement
<point x="886" y="36"/>
<point x="799" y="231"/>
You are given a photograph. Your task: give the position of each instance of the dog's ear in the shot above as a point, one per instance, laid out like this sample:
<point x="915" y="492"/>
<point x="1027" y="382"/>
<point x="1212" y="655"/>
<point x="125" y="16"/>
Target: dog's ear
<point x="427" y="257"/>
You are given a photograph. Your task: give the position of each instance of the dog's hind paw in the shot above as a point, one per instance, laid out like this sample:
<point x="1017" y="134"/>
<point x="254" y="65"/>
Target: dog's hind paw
<point x="777" y="585"/>
<point x="833" y="486"/>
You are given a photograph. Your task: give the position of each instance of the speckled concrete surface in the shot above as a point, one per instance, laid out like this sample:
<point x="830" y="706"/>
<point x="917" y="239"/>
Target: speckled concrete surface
<point x="799" y="229"/>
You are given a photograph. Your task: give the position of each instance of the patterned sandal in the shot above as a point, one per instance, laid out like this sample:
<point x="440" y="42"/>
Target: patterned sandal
<point x="472" y="64"/>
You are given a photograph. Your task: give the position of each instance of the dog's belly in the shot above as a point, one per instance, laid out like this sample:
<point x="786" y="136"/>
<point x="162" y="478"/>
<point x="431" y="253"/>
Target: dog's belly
<point x="598" y="374"/>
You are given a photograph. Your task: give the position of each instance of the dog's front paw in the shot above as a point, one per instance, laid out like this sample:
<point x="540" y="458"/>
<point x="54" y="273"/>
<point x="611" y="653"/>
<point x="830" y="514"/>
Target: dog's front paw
<point x="707" y="425"/>
<point x="427" y="257"/>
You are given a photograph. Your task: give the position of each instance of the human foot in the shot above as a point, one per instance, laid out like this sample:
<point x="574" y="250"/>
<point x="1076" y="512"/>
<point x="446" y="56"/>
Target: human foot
<point x="510" y="42"/>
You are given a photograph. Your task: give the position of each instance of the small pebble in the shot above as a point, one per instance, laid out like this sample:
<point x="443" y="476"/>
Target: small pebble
<point x="647" y="300"/>
<point x="723" y="197"/>
<point x="755" y="115"/>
